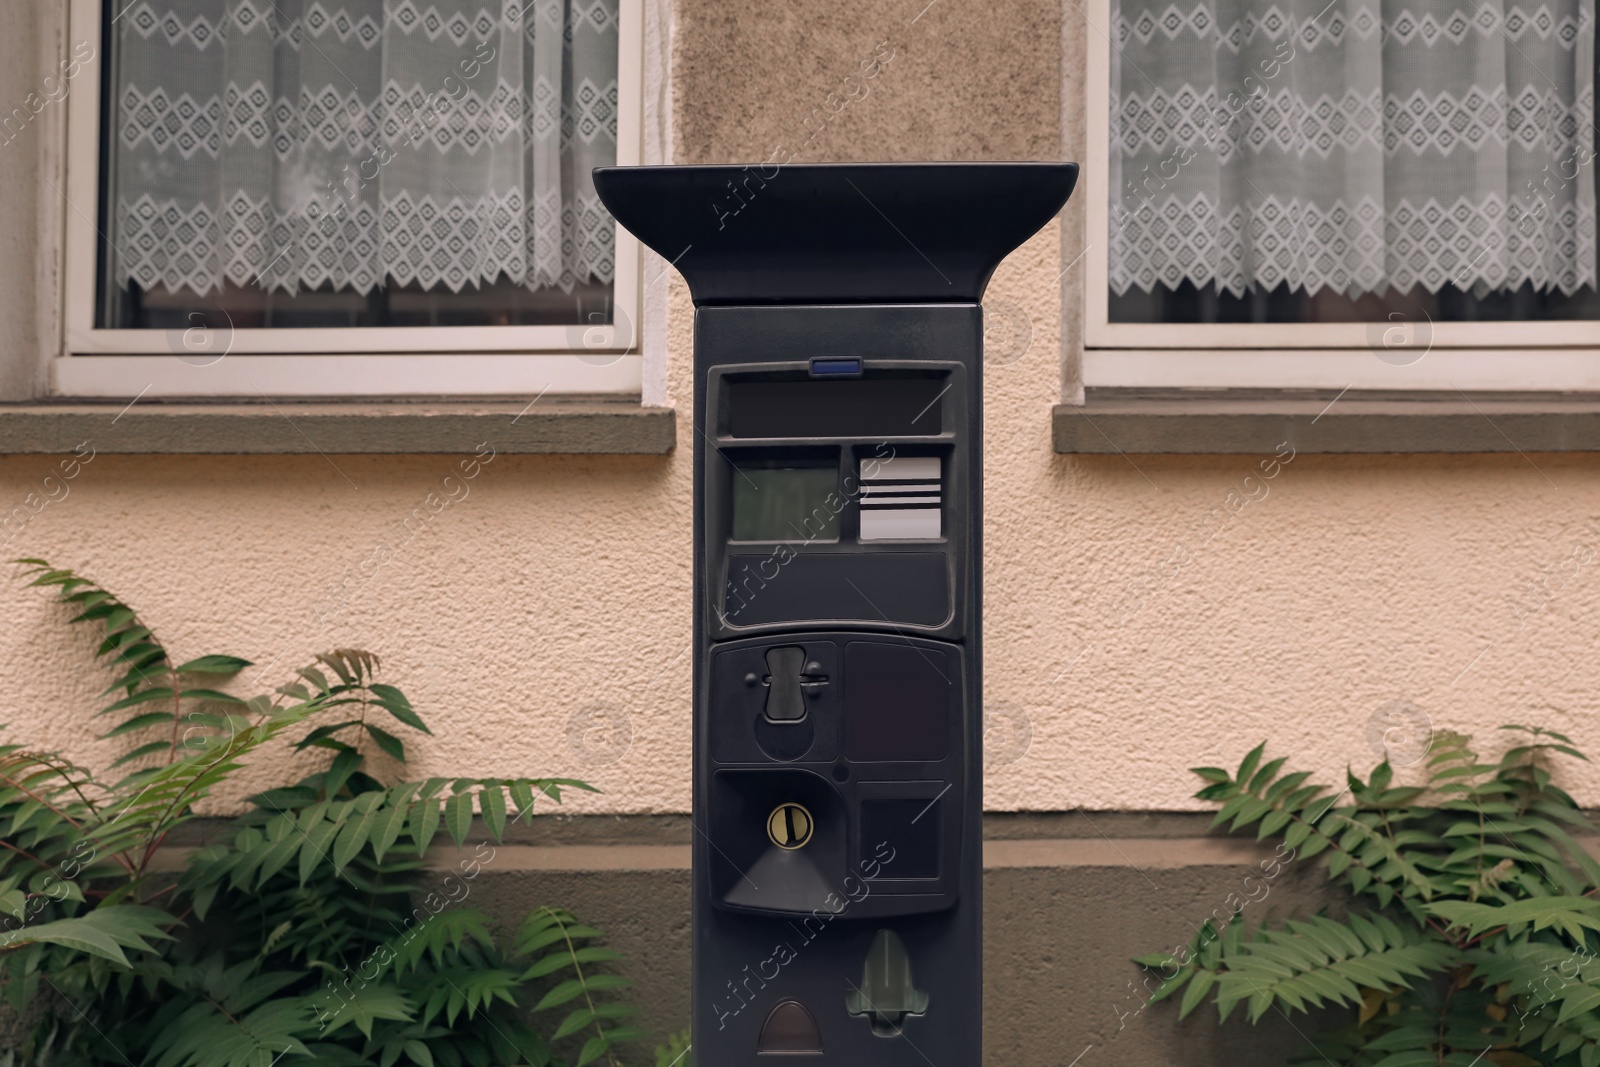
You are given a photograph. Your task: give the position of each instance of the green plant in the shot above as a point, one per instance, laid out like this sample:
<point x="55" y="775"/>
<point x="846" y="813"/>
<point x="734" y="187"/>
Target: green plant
<point x="675" y="1053"/>
<point x="1473" y="924"/>
<point x="311" y="930"/>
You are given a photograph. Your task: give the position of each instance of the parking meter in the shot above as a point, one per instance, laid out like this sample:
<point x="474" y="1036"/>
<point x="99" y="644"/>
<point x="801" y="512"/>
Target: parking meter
<point x="838" y="724"/>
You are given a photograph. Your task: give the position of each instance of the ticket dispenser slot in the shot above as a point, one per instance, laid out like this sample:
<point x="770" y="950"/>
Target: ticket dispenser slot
<point x="837" y="713"/>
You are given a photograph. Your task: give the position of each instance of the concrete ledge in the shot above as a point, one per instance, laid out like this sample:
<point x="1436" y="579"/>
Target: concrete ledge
<point x="1209" y="423"/>
<point x="145" y="427"/>
<point x="554" y="829"/>
<point x="1138" y="853"/>
<point x="569" y="857"/>
<point x="551" y="826"/>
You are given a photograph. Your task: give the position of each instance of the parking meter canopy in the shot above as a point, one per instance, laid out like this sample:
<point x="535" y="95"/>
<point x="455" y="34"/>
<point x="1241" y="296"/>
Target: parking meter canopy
<point x="836" y="232"/>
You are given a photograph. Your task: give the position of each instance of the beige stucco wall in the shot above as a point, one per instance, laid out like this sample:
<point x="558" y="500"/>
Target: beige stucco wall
<point x="1129" y="633"/>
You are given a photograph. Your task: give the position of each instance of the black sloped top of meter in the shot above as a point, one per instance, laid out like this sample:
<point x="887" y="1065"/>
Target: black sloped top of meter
<point x="825" y="233"/>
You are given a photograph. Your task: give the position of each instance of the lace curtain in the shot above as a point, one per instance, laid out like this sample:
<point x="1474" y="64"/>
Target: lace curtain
<point x="1354" y="146"/>
<point x="291" y="144"/>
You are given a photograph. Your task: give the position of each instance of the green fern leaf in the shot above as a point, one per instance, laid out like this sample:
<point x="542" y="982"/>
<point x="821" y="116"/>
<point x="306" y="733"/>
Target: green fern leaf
<point x="1571" y="915"/>
<point x="214" y="665"/>
<point x="493" y="805"/>
<point x="365" y="1006"/>
<point x="392" y="820"/>
<point x="458" y="816"/>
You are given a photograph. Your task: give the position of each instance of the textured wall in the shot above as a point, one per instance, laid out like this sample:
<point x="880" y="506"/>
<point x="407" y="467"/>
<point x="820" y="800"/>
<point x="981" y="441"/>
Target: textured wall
<point x="1132" y="628"/>
<point x="555" y="587"/>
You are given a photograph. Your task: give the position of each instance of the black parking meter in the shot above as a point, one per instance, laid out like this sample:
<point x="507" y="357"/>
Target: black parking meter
<point x="837" y="525"/>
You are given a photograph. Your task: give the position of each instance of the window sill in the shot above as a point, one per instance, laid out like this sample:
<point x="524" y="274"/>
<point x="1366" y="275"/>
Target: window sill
<point x="1214" y="423"/>
<point x="150" y="427"/>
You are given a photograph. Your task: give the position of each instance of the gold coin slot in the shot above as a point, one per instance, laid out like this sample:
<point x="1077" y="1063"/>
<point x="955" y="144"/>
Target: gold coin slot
<point x="789" y="826"/>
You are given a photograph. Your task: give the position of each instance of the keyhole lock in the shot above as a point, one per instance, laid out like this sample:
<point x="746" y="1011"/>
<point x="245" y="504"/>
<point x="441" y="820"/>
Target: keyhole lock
<point x="789" y="826"/>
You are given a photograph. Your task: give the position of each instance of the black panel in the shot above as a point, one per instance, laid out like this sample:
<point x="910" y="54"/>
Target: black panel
<point x="773" y="763"/>
<point x="883" y="407"/>
<point x="785" y="741"/>
<point x="910" y="587"/>
<point x="896" y="703"/>
<point x="742" y="731"/>
<point x="911" y="828"/>
<point x="749" y="870"/>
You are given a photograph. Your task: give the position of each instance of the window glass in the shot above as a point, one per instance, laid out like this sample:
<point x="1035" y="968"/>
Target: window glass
<point x="300" y="163"/>
<point x="1315" y="161"/>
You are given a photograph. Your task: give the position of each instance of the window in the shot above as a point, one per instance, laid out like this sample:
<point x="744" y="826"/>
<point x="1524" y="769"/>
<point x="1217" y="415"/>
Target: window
<point x="1282" y="190"/>
<point x="349" y="197"/>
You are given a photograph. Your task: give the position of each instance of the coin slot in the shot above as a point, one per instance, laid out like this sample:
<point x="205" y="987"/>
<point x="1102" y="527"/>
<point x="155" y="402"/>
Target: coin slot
<point x="790" y="826"/>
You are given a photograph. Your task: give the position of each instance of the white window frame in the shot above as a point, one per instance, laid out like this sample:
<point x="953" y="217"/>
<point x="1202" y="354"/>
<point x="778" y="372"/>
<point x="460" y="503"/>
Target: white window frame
<point x="332" y="362"/>
<point x="1493" y="356"/>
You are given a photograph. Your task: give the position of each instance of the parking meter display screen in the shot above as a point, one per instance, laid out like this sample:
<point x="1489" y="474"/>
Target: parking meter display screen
<point x="785" y="504"/>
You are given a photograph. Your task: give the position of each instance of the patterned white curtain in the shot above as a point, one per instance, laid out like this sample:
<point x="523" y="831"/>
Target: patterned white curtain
<point x="296" y="143"/>
<point x="1356" y="145"/>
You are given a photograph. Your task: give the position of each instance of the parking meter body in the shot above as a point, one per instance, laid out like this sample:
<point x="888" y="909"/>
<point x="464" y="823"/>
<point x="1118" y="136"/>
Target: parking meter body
<point x="837" y="793"/>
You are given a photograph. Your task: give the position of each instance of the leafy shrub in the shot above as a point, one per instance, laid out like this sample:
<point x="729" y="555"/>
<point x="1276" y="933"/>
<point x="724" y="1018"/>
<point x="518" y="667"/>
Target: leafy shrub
<point x="1473" y="924"/>
<point x="311" y="931"/>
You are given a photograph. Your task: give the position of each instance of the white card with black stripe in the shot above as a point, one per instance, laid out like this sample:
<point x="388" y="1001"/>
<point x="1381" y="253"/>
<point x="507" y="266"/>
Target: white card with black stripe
<point x="901" y="498"/>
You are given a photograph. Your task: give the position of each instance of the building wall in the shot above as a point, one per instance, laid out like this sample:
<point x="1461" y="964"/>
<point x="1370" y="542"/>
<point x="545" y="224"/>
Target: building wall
<point x="542" y="623"/>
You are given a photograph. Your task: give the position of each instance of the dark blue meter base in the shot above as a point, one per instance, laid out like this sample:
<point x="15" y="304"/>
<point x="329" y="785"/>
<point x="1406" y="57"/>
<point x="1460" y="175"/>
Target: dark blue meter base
<point x="837" y="537"/>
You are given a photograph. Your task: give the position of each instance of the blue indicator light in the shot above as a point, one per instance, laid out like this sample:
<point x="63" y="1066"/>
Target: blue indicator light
<point x="836" y="368"/>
